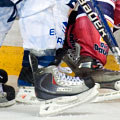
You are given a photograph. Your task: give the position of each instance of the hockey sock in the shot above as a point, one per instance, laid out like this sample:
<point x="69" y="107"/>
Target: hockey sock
<point x="44" y="58"/>
<point x="44" y="61"/>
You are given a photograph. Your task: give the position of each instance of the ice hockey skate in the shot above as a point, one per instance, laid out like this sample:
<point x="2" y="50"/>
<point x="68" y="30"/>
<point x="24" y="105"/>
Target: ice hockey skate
<point x="26" y="92"/>
<point x="7" y="93"/>
<point x="61" y="92"/>
<point x="7" y="96"/>
<point x="58" y="91"/>
<point x="107" y="79"/>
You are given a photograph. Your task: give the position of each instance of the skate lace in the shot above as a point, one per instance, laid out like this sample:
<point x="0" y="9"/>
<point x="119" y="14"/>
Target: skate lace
<point x="66" y="80"/>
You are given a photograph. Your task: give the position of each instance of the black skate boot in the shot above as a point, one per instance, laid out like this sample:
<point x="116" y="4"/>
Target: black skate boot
<point x="60" y="91"/>
<point x="26" y="77"/>
<point x="7" y="96"/>
<point x="7" y="93"/>
<point x="26" y="93"/>
<point x="86" y="66"/>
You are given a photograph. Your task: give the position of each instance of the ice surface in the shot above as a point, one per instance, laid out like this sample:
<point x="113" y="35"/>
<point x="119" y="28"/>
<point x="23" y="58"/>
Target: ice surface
<point x="91" y="111"/>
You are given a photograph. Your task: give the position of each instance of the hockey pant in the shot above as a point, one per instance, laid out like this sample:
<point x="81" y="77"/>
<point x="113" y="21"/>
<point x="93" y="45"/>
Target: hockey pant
<point x="85" y="34"/>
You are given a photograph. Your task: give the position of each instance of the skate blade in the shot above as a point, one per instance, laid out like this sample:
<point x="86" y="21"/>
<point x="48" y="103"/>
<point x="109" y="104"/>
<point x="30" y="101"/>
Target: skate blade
<point x="107" y="97"/>
<point x="7" y="104"/>
<point x="58" y="105"/>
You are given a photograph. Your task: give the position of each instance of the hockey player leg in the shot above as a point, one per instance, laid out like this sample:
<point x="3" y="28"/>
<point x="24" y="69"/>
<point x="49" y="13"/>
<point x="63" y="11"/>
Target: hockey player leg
<point x="42" y="37"/>
<point x="93" y="54"/>
<point x="26" y="93"/>
<point x="58" y="91"/>
<point x="107" y="79"/>
<point x="91" y="67"/>
<point x="7" y="93"/>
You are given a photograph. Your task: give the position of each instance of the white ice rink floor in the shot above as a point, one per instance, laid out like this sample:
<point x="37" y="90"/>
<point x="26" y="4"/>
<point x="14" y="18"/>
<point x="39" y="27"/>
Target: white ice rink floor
<point x="89" y="111"/>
